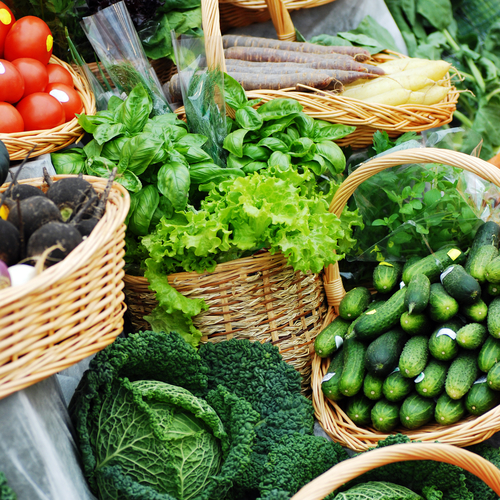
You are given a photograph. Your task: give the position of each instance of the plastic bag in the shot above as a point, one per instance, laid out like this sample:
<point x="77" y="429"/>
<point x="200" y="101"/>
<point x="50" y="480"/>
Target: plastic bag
<point x="202" y="89"/>
<point x="115" y="40"/>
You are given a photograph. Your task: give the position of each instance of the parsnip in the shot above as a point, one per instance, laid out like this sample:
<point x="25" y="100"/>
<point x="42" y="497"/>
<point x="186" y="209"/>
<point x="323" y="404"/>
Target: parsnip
<point x="386" y="84"/>
<point x="392" y="98"/>
<point x="435" y="70"/>
<point x="397" y="65"/>
<point x="427" y="96"/>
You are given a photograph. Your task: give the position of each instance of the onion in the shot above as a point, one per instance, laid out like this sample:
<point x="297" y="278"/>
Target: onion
<point x="21" y="274"/>
<point x="4" y="275"/>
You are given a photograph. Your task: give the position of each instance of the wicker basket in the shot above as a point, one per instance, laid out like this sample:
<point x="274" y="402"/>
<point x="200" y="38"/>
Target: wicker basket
<point x="72" y="309"/>
<point x="331" y="417"/>
<point x="256" y="298"/>
<point x="367" y="117"/>
<point x="48" y="141"/>
<point x="355" y="467"/>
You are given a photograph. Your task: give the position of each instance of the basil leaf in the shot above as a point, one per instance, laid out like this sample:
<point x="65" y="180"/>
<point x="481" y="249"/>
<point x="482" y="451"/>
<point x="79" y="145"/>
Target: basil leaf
<point x="71" y="161"/>
<point x="279" y="159"/>
<point x="293" y="133"/>
<point x="254" y="166"/>
<point x="114" y="102"/>
<point x="234" y="142"/>
<point x="92" y="148"/>
<point x="136" y="110"/>
<point x="301" y="147"/>
<point x="104" y="133"/>
<point x="277" y="125"/>
<point x="204" y="172"/>
<point x="129" y="181"/>
<point x="305" y="124"/>
<point x="317" y="164"/>
<point x="138" y="152"/>
<point x="279" y="108"/>
<point x="283" y="137"/>
<point x="112" y="149"/>
<point x="174" y="182"/>
<point x="249" y="118"/>
<point x="196" y="155"/>
<point x="274" y="144"/>
<point x="234" y="162"/>
<point x="197" y="140"/>
<point x="234" y="94"/>
<point x="164" y="209"/>
<point x="256" y="152"/>
<point x="148" y="199"/>
<point x="330" y="131"/>
<point x="99" y="166"/>
<point x="331" y="152"/>
<point x="169" y="119"/>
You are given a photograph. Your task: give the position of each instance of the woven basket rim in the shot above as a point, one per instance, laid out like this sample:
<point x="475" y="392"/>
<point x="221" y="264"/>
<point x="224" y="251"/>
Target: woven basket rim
<point x="331" y="417"/>
<point x="83" y="253"/>
<point x="72" y="127"/>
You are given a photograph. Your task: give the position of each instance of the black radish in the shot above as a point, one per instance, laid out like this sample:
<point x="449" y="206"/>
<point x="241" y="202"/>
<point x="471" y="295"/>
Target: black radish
<point x="10" y="243"/>
<point x="4" y="163"/>
<point x="23" y="191"/>
<point x="54" y="234"/>
<point x="35" y="212"/>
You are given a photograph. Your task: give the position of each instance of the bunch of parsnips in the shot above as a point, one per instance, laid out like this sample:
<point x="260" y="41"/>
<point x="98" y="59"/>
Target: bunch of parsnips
<point x="406" y="81"/>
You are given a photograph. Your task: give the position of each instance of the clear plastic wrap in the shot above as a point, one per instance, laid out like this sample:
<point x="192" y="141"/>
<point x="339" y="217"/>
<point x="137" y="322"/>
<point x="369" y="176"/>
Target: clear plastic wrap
<point x="115" y="40"/>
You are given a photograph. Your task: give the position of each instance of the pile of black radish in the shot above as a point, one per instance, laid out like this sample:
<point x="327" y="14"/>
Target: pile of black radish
<point x="426" y="346"/>
<point x="264" y="63"/>
<point x="39" y="229"/>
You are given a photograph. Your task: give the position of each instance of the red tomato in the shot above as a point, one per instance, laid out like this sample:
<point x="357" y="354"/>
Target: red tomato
<point x="29" y="37"/>
<point x="6" y="21"/>
<point x="41" y="111"/>
<point x="10" y="119"/>
<point x="59" y="74"/>
<point x="11" y="82"/>
<point x="34" y="74"/>
<point x="68" y="97"/>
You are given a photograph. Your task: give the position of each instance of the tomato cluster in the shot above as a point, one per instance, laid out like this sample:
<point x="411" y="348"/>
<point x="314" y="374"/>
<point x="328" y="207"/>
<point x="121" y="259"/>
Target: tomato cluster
<point x="34" y="95"/>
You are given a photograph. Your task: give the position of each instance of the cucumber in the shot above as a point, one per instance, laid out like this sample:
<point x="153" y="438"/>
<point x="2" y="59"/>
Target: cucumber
<point x="354" y="303"/>
<point x="472" y="336"/>
<point x="385" y="415"/>
<point x="494" y="289"/>
<point x="460" y="285"/>
<point x="489" y="354"/>
<point x="493" y="320"/>
<point x="396" y="387"/>
<point x="331" y="338"/>
<point x="442" y="306"/>
<point x="386" y="276"/>
<point x="434" y="264"/>
<point x="410" y="261"/>
<point x="414" y="356"/>
<point x="353" y="371"/>
<point x="377" y="321"/>
<point x="416" y="411"/>
<point x="382" y="355"/>
<point x="417" y="293"/>
<point x="372" y="386"/>
<point x="350" y="331"/>
<point x="487" y="234"/>
<point x="442" y="343"/>
<point x="359" y="409"/>
<point x="477" y="262"/>
<point x="431" y="381"/>
<point x="492" y="271"/>
<point x="330" y="382"/>
<point x="481" y="399"/>
<point x="493" y="377"/>
<point x="476" y="312"/>
<point x="415" y="324"/>
<point x="448" y="411"/>
<point x="461" y="375"/>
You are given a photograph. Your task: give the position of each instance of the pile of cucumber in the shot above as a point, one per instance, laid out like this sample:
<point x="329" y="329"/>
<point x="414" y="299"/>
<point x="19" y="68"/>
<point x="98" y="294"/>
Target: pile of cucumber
<point x="425" y="346"/>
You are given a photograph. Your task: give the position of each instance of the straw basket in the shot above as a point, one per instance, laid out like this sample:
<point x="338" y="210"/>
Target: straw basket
<point x="71" y="310"/>
<point x="47" y="141"/>
<point x="355" y="467"/>
<point x="331" y="417"/>
<point x="256" y="298"/>
<point x="367" y="117"/>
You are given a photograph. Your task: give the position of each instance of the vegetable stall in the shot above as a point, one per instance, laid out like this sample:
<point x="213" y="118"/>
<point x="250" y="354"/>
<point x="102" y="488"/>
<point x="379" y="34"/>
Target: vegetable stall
<point x="249" y="265"/>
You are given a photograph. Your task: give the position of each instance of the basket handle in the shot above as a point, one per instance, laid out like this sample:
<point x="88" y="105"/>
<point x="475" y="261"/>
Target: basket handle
<point x="354" y="467"/>
<point x="281" y="20"/>
<point x="210" y="19"/>
<point x="333" y="282"/>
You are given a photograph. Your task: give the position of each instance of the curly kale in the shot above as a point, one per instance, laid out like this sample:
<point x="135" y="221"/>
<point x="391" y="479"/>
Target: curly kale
<point x="477" y="486"/>
<point x="6" y="493"/>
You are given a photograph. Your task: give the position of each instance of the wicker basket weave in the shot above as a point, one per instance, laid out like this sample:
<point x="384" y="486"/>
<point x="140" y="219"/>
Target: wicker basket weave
<point x="71" y="310"/>
<point x="257" y="298"/>
<point x="355" y="467"/>
<point x="332" y="418"/>
<point x="47" y="141"/>
<point x="367" y="117"/>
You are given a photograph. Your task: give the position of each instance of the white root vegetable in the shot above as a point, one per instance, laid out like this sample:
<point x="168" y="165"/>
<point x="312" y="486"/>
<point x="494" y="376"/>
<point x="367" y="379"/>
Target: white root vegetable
<point x="429" y="95"/>
<point x="397" y="65"/>
<point x="392" y="98"/>
<point x="435" y="70"/>
<point x="386" y="84"/>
